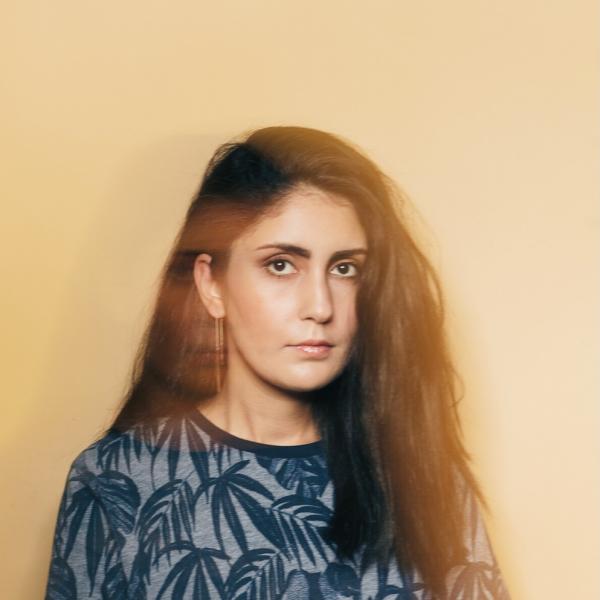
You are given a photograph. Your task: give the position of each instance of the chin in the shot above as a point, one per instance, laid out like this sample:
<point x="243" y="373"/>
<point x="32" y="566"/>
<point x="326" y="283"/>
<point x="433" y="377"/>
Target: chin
<point x="305" y="381"/>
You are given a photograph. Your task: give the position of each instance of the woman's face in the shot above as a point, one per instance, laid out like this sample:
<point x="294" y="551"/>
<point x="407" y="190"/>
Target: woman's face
<point x="293" y="277"/>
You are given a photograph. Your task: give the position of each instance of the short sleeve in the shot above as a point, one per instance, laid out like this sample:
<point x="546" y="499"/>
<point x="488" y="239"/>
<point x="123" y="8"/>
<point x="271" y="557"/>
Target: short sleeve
<point x="85" y="560"/>
<point x="479" y="578"/>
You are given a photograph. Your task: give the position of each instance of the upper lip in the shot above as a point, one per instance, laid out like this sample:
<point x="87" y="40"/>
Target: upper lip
<point x="313" y="342"/>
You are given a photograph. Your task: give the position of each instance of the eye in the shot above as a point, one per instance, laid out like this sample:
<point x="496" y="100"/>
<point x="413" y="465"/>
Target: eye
<point x="349" y="270"/>
<point x="278" y="261"/>
<point x="349" y="273"/>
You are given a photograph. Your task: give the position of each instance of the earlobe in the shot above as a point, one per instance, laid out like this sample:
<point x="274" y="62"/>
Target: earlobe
<point x="207" y="286"/>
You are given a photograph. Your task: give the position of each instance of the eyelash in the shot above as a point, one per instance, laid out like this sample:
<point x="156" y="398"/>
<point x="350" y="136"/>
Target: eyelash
<point x="285" y="260"/>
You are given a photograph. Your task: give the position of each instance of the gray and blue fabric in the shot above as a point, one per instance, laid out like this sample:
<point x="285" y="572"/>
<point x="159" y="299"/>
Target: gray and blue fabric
<point x="190" y="511"/>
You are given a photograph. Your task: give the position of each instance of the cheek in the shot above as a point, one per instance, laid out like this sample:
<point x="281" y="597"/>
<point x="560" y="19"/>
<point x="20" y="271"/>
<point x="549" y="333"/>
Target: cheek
<point x="259" y="316"/>
<point x="347" y="314"/>
<point x="351" y="325"/>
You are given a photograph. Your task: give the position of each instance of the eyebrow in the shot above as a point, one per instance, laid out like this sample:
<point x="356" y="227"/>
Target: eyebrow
<point x="305" y="253"/>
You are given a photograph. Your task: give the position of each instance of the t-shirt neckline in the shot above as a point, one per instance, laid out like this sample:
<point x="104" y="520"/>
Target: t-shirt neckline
<point x="224" y="437"/>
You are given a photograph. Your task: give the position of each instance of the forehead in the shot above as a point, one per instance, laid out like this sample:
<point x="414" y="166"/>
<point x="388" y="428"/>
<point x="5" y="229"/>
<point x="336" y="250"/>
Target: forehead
<point x="308" y="216"/>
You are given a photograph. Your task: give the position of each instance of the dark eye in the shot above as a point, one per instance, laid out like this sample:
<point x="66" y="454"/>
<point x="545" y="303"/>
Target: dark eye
<point x="277" y="264"/>
<point x="348" y="269"/>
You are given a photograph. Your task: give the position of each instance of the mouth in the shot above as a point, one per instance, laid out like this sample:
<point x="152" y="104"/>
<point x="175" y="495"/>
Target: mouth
<point x="314" y="350"/>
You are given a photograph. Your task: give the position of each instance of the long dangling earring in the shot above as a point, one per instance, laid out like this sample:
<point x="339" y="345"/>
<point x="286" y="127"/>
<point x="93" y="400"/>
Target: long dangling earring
<point x="220" y="353"/>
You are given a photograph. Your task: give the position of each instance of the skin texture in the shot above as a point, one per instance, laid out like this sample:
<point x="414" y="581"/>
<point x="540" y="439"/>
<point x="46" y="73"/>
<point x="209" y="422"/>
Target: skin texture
<point x="268" y="308"/>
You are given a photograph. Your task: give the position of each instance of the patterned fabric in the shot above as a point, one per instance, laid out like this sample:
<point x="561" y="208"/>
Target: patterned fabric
<point x="193" y="512"/>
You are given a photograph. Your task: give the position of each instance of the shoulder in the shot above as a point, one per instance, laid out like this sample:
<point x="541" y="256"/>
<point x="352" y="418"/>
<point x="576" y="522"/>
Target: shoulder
<point x="86" y="459"/>
<point x="161" y="448"/>
<point x="114" y="451"/>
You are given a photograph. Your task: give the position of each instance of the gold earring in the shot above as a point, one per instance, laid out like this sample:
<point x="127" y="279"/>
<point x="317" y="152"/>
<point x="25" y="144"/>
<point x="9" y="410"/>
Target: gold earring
<point x="220" y="353"/>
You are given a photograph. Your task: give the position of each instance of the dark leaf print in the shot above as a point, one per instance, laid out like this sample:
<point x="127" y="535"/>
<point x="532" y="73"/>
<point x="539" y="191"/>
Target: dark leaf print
<point x="166" y="512"/>
<point x="395" y="592"/>
<point x="164" y="517"/>
<point x="251" y="484"/>
<point x="97" y="542"/>
<point x="224" y="456"/>
<point x="411" y="584"/>
<point x="302" y="585"/>
<point x="61" y="581"/>
<point x="84" y="527"/>
<point x="94" y="542"/>
<point x="262" y="518"/>
<point x="314" y="510"/>
<point x="302" y="539"/>
<point x="120" y="498"/>
<point x="115" y="584"/>
<point x="342" y="579"/>
<point x="304" y="476"/>
<point x="398" y="593"/>
<point x="198" y="451"/>
<point x="231" y="483"/>
<point x="302" y="522"/>
<point x="170" y="436"/>
<point x="195" y="562"/>
<point x="222" y="501"/>
<point x="139" y="577"/>
<point x="74" y="513"/>
<point x="116" y="449"/>
<point x="382" y="570"/>
<point x="258" y="573"/>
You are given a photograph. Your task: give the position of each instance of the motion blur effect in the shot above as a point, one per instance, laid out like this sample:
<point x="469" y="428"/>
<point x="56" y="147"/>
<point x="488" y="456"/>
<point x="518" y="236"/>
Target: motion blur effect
<point x="382" y="403"/>
<point x="182" y="358"/>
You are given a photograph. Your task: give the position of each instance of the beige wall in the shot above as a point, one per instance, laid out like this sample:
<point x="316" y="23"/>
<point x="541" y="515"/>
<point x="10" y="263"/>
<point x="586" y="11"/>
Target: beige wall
<point x="485" y="113"/>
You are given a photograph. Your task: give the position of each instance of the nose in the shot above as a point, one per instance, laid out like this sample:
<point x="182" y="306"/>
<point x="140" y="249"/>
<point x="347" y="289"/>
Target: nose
<point x="315" y="298"/>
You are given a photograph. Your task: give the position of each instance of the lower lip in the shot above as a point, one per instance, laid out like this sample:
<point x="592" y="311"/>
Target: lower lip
<point x="314" y="351"/>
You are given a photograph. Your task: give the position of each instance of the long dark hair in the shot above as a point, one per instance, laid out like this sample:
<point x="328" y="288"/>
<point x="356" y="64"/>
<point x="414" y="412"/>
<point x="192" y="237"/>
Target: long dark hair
<point x="400" y="479"/>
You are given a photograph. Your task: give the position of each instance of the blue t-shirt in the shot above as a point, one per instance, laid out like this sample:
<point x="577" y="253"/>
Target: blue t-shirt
<point x="190" y="511"/>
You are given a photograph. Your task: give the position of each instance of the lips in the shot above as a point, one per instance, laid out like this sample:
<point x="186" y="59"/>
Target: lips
<point x="314" y="342"/>
<point x="312" y="350"/>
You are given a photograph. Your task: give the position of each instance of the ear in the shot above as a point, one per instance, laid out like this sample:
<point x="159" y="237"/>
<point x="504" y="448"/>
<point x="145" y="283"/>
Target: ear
<point x="207" y="286"/>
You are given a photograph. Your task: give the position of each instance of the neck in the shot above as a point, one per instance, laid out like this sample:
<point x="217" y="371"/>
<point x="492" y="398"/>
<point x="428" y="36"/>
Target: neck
<point x="267" y="416"/>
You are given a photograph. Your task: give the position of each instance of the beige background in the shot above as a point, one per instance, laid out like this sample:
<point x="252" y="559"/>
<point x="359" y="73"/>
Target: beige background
<point x="485" y="112"/>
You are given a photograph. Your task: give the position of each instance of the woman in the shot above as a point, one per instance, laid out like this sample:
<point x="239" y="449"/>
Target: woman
<point x="291" y="426"/>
